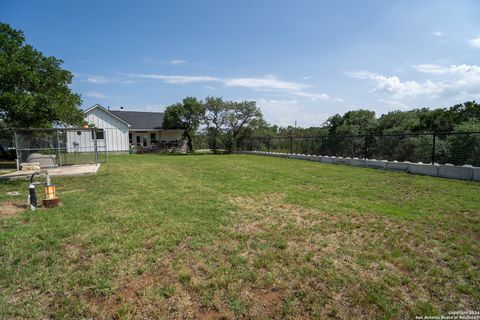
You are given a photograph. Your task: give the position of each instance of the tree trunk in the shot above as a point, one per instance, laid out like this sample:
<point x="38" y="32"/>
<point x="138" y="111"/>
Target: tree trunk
<point x="234" y="142"/>
<point x="215" y="143"/>
<point x="189" y="142"/>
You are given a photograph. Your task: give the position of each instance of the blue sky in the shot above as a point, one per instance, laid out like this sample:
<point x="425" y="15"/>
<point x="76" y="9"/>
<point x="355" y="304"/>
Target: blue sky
<point x="300" y="60"/>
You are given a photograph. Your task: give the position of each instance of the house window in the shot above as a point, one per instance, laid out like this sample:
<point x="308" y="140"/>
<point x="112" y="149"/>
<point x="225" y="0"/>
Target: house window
<point x="130" y="138"/>
<point x="138" y="141"/>
<point x="153" y="137"/>
<point x="100" y="135"/>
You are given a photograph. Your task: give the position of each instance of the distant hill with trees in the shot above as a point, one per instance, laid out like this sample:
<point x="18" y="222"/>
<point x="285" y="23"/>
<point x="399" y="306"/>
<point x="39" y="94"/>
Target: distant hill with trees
<point x="396" y="135"/>
<point x="460" y="117"/>
<point x="224" y="125"/>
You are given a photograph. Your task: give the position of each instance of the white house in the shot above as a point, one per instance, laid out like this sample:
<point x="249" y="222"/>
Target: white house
<point x="117" y="130"/>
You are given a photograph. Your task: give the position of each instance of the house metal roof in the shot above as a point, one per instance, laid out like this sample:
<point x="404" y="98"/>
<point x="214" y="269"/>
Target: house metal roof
<point x="141" y="120"/>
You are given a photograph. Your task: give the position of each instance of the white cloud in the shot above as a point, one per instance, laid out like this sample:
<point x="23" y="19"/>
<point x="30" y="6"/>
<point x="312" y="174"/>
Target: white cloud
<point x="460" y="81"/>
<point x="307" y="77"/>
<point x="175" y="79"/>
<point x="95" y="94"/>
<point x="311" y="96"/>
<point x="98" y="80"/>
<point x="266" y="83"/>
<point x="475" y="42"/>
<point x="397" y="88"/>
<point x="282" y="112"/>
<point x="395" y="104"/>
<point x="438" y="34"/>
<point x="270" y="83"/>
<point x="285" y="112"/>
<point x="462" y="69"/>
<point x="176" y="62"/>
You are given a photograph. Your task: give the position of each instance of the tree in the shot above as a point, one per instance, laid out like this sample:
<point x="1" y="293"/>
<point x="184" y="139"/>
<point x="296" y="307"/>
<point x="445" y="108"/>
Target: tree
<point x="215" y="118"/>
<point x="241" y="115"/>
<point x="34" y="89"/>
<point x="358" y="122"/>
<point x="185" y="115"/>
<point x="333" y="123"/>
<point x="398" y="122"/>
<point x="465" y="112"/>
<point x="437" y="120"/>
<point x="464" y="149"/>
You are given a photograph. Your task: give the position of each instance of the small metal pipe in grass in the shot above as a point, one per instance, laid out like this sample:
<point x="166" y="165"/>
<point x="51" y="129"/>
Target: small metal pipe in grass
<point x="50" y="200"/>
<point x="32" y="196"/>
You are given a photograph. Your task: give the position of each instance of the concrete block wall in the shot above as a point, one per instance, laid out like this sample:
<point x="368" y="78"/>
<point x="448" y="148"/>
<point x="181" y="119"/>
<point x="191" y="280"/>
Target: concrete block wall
<point x="398" y="166"/>
<point x="465" y="172"/>
<point x="476" y="174"/>
<point x="423" y="169"/>
<point x="454" y="172"/>
<point x="376" y="164"/>
<point x="357" y="162"/>
<point x="327" y="159"/>
<point x="341" y="160"/>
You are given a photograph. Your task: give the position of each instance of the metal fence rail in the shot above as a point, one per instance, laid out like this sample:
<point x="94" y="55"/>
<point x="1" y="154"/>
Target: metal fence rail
<point x="457" y="148"/>
<point x="57" y="146"/>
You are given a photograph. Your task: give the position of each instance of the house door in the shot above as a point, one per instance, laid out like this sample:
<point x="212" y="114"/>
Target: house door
<point x="142" y="139"/>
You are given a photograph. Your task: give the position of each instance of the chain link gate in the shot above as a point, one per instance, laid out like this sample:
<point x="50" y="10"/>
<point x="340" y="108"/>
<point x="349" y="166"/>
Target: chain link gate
<point x="60" y="146"/>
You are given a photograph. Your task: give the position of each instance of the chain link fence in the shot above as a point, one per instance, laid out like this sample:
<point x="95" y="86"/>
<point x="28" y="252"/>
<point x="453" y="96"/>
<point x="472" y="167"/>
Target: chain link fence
<point x="56" y="147"/>
<point x="222" y="143"/>
<point x="457" y="148"/>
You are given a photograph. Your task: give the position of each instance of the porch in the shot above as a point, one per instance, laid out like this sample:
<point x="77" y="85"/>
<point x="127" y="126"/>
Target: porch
<point x="156" y="140"/>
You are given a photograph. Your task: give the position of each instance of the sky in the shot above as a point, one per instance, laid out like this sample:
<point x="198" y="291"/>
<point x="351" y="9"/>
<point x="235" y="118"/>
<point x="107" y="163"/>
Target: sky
<point x="300" y="60"/>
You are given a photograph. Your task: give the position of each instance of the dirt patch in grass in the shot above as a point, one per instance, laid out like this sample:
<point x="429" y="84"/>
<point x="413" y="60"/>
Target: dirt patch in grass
<point x="264" y="303"/>
<point x="213" y="315"/>
<point x="130" y="293"/>
<point x="156" y="293"/>
<point x="10" y="208"/>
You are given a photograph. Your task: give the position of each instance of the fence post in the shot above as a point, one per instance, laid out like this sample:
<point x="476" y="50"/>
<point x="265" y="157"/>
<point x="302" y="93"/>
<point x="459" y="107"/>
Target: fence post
<point x="16" y="149"/>
<point x="268" y="144"/>
<point x="95" y="145"/>
<point x="291" y="145"/>
<point x="365" y="148"/>
<point x="105" y="138"/>
<point x="251" y="144"/>
<point x="433" y="148"/>
<point x="321" y="146"/>
<point x="58" y="150"/>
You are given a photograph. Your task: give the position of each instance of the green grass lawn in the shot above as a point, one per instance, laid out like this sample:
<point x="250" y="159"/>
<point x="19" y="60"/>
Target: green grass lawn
<point x="155" y="236"/>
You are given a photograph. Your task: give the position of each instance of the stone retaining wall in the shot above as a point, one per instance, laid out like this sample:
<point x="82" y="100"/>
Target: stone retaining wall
<point x="465" y="172"/>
